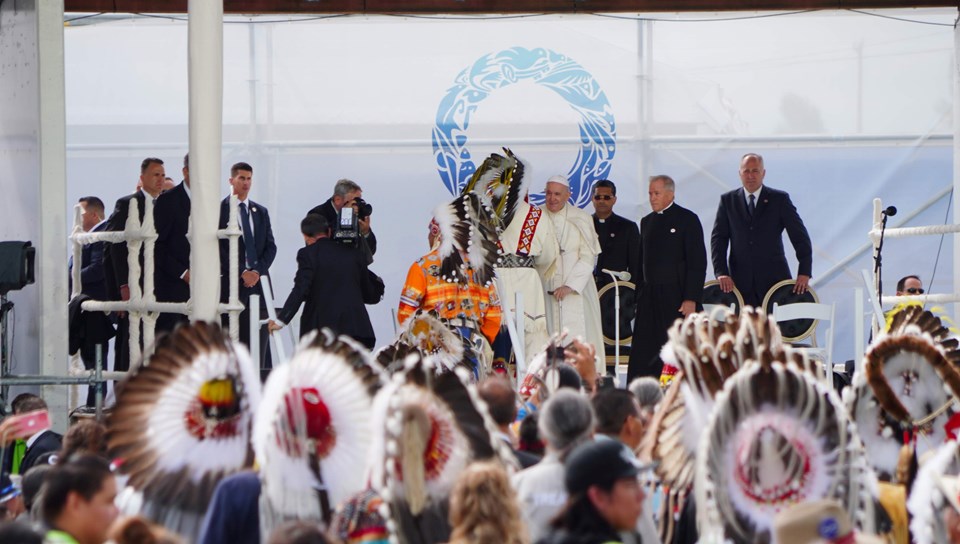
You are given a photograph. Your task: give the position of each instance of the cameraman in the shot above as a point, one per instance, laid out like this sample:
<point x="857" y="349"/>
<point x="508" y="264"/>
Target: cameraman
<point x="347" y="193"/>
<point x="334" y="284"/>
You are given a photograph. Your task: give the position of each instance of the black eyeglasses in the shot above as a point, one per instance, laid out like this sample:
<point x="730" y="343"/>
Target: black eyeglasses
<point x="915" y="290"/>
<point x="602" y="197"/>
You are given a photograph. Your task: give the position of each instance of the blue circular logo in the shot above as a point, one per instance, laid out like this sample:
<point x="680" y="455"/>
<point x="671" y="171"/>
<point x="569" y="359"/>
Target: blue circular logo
<point x="829" y="528"/>
<point x="554" y="71"/>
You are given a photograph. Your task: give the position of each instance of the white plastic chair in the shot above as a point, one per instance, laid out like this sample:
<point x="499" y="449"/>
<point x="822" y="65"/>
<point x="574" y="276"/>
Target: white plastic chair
<point x="811" y="310"/>
<point x="719" y="311"/>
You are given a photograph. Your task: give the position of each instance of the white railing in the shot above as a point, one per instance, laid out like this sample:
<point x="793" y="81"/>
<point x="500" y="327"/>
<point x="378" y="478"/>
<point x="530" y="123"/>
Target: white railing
<point x="142" y="307"/>
<point x="872" y="282"/>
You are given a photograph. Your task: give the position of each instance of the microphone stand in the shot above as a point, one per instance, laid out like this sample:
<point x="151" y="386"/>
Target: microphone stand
<point x="878" y="259"/>
<point x="616" y="322"/>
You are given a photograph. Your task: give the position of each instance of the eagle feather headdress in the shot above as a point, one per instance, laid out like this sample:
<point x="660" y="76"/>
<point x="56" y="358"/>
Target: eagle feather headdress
<point x="472" y="223"/>
<point x="182" y="422"/>
<point x="777" y="436"/>
<point x="428" y="428"/>
<point x="424" y="333"/>
<point x="312" y="431"/>
<point x="908" y="383"/>
<point x="707" y="352"/>
<point x="928" y="498"/>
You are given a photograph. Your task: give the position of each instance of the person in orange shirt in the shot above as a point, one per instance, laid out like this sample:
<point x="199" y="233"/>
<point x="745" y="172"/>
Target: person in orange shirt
<point x="470" y="308"/>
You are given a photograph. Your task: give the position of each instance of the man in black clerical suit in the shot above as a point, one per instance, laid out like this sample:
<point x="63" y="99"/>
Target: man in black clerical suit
<point x="670" y="284"/>
<point x="620" y="244"/>
<point x="333" y="280"/>
<point x="171" y="275"/>
<point x="750" y="221"/>
<point x="152" y="175"/>
<point x="257" y="250"/>
<point x="95" y="328"/>
<point x="345" y="193"/>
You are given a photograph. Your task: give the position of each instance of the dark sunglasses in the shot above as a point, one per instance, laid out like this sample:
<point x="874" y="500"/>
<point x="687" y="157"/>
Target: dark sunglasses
<point x="915" y="290"/>
<point x="602" y="197"/>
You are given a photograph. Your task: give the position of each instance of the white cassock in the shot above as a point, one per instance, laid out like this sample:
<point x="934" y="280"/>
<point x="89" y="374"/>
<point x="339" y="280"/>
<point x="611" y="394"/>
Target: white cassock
<point x="578" y="312"/>
<point x="541" y="245"/>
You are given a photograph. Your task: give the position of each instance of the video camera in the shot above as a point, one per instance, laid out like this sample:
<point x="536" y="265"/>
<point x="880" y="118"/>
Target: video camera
<point x="347" y="229"/>
<point x="16" y="266"/>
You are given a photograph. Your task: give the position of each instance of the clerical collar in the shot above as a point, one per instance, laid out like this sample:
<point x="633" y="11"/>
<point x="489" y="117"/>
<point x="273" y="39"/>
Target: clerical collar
<point x="665" y="209"/>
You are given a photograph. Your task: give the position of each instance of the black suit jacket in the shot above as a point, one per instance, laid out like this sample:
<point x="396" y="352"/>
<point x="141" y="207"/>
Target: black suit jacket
<point x="673" y="254"/>
<point x="266" y="247"/>
<point x="115" y="255"/>
<point x="47" y="442"/>
<point x="327" y="210"/>
<point x="757" y="258"/>
<point x="620" y="244"/>
<point x="171" y="218"/>
<point x="334" y="282"/>
<point x="93" y="278"/>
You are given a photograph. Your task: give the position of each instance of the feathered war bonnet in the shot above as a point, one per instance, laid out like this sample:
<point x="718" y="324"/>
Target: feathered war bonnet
<point x="183" y="421"/>
<point x="904" y="391"/>
<point x="471" y="225"/>
<point x="707" y="350"/>
<point x="428" y="428"/>
<point x="313" y="429"/>
<point x="777" y="436"/>
<point x="426" y="334"/>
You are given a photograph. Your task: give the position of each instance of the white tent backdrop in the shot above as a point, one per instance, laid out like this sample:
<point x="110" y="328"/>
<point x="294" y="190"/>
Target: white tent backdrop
<point x="844" y="106"/>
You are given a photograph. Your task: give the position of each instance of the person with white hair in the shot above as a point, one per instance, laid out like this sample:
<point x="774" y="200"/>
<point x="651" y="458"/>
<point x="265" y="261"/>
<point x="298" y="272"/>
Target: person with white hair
<point x="565" y="421"/>
<point x="573" y="304"/>
<point x="648" y="392"/>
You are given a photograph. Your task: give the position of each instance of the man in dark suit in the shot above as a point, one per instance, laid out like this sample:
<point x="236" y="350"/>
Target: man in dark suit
<point x="171" y="274"/>
<point x="345" y="193"/>
<point x="41" y="443"/>
<point x="334" y="282"/>
<point x="152" y="175"/>
<point x="255" y="256"/>
<point x="670" y="284"/>
<point x="620" y="251"/>
<point x="97" y="330"/>
<point x="751" y="221"/>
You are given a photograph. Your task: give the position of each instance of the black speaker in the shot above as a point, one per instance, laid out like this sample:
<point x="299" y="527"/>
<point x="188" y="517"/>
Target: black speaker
<point x="16" y="266"/>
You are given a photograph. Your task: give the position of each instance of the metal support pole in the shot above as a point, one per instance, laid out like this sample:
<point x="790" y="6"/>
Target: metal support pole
<point x="272" y="314"/>
<point x="956" y="161"/>
<point x="49" y="148"/>
<point x="205" y="46"/>
<point x="98" y="378"/>
<point x="858" y="336"/>
<point x="521" y="335"/>
<point x="149" y="319"/>
<point x="232" y="233"/>
<point x="254" y="318"/>
<point x="77" y="250"/>
<point x="133" y="277"/>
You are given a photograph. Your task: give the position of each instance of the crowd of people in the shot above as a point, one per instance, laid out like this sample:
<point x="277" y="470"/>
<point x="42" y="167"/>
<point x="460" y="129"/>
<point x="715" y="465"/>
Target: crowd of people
<point x="476" y="424"/>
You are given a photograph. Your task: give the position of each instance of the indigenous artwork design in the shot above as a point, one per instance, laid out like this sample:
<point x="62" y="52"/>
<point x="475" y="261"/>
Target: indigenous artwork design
<point x="544" y="67"/>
